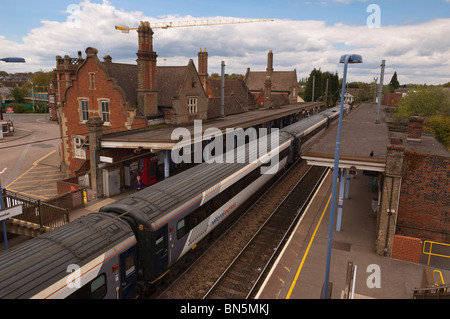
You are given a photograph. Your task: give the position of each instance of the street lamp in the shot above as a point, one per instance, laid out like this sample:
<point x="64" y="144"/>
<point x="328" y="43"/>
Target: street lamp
<point x="7" y="60"/>
<point x="346" y="59"/>
<point x="13" y="60"/>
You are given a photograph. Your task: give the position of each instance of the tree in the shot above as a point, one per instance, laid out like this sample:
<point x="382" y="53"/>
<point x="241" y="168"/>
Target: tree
<point x="316" y="77"/>
<point x="394" y="84"/>
<point x="425" y="102"/>
<point x="18" y="95"/>
<point x="432" y="103"/>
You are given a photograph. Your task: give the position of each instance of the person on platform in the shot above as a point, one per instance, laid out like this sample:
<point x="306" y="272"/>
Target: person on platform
<point x="138" y="186"/>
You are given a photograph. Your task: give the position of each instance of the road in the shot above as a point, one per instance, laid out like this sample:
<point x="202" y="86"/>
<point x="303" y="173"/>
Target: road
<point x="29" y="160"/>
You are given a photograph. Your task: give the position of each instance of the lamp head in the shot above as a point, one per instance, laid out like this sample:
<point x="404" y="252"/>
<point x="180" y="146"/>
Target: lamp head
<point x="13" y="60"/>
<point x="352" y="58"/>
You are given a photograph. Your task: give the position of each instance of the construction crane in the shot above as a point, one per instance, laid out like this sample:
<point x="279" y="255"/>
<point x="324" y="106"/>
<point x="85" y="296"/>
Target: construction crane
<point x="194" y="23"/>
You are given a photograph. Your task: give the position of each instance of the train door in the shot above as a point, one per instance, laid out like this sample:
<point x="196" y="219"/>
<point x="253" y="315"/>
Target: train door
<point x="161" y="251"/>
<point x="128" y="273"/>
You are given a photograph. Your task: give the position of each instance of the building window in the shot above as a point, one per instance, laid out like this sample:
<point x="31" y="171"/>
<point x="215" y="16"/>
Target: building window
<point x="84" y="110"/>
<point x="104" y="107"/>
<point x="192" y="105"/>
<point x="91" y="81"/>
<point x="78" y="150"/>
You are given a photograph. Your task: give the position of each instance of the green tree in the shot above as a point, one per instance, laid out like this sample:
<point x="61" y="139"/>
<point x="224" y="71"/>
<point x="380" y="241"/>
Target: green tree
<point x="433" y="104"/>
<point x="18" y="95"/>
<point x="394" y="84"/>
<point x="334" y="89"/>
<point x="318" y="89"/>
<point x="425" y="102"/>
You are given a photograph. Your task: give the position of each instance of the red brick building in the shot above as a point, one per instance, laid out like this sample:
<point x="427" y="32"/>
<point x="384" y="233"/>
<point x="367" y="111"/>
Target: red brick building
<point x="424" y="204"/>
<point x="129" y="97"/>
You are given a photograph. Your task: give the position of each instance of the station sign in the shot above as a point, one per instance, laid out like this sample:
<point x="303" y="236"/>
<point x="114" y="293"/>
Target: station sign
<point x="10" y="212"/>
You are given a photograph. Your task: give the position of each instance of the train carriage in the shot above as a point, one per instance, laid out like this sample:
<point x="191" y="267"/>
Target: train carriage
<point x="92" y="257"/>
<point x="173" y="216"/>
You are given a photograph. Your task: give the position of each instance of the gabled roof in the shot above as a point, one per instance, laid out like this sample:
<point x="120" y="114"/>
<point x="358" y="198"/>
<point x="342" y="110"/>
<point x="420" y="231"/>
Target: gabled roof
<point x="168" y="81"/>
<point x="126" y="76"/>
<point x="231" y="106"/>
<point x="235" y="88"/>
<point x="281" y="80"/>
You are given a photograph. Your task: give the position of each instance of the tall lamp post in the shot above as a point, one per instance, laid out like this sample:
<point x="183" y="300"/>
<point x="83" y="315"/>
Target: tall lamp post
<point x="7" y="60"/>
<point x="346" y="59"/>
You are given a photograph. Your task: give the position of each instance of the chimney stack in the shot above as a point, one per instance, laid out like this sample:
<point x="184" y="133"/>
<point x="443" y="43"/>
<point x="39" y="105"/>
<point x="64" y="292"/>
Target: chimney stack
<point x="269" y="63"/>
<point x="147" y="94"/>
<point x="203" y="67"/>
<point x="415" y="128"/>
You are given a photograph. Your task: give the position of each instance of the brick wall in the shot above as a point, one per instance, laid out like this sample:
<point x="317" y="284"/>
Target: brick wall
<point x="424" y="201"/>
<point x="415" y="127"/>
<point x="407" y="248"/>
<point x="121" y="119"/>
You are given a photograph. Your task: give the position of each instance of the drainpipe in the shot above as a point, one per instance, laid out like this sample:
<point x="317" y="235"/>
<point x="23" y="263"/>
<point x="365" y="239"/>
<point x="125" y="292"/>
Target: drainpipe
<point x="389" y="217"/>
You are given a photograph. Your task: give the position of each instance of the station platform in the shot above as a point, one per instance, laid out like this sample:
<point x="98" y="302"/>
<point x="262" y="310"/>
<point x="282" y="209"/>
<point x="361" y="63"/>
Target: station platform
<point x="299" y="271"/>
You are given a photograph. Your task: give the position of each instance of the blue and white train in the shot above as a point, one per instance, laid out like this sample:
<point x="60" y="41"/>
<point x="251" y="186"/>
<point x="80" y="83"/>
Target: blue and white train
<point x="135" y="241"/>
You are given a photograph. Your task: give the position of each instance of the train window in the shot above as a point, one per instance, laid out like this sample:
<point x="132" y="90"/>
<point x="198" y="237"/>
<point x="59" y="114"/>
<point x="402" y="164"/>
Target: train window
<point x="181" y="229"/>
<point x="129" y="265"/>
<point x="159" y="244"/>
<point x="95" y="289"/>
<point x="98" y="287"/>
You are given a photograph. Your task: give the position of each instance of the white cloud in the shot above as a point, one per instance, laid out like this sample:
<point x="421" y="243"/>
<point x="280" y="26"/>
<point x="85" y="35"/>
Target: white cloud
<point x="419" y="53"/>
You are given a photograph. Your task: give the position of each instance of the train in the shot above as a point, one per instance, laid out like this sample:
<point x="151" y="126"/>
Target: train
<point x="132" y="243"/>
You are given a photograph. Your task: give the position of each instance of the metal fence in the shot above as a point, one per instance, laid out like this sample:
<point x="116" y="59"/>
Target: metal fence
<point x="36" y="211"/>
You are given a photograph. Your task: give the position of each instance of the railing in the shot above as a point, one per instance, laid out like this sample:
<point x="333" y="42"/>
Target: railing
<point x="441" y="279"/>
<point x="36" y="211"/>
<point x="440" y="292"/>
<point x="430" y="253"/>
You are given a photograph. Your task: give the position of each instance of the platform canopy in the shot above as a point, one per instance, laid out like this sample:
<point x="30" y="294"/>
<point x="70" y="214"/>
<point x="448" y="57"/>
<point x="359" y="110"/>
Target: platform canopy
<point x="363" y="142"/>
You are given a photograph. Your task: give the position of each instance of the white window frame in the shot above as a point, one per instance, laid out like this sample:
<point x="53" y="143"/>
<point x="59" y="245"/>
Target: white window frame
<point x="78" y="151"/>
<point x="192" y="105"/>
<point x="80" y="102"/>
<point x="105" y="115"/>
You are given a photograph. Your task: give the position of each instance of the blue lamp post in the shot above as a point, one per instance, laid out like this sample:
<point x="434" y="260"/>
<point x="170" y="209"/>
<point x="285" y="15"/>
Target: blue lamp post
<point x="7" y="60"/>
<point x="346" y="59"/>
<point x="13" y="60"/>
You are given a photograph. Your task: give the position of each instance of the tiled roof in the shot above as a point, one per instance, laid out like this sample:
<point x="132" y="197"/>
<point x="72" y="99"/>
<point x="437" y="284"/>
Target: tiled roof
<point x="235" y="88"/>
<point x="126" y="77"/>
<point x="281" y="80"/>
<point x="232" y="106"/>
<point x="169" y="80"/>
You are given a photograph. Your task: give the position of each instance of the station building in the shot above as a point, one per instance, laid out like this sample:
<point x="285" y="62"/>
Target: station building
<point x="115" y="119"/>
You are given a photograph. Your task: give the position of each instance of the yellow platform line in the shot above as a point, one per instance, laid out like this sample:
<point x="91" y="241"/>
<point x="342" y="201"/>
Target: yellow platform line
<point x="34" y="165"/>
<point x="28" y="194"/>
<point x="307" y="251"/>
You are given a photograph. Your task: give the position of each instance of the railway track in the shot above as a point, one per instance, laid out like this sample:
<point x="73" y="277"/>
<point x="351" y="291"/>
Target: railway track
<point x="243" y="275"/>
<point x="206" y="268"/>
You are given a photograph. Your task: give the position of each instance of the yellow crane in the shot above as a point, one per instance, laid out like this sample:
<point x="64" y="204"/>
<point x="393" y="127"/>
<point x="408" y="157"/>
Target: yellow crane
<point x="194" y="23"/>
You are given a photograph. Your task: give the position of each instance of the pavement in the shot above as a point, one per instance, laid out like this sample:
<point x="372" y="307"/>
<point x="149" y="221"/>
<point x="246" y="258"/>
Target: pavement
<point x="299" y="272"/>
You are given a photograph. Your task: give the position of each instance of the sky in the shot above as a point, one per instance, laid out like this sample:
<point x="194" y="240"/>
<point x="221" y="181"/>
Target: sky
<point x="411" y="36"/>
